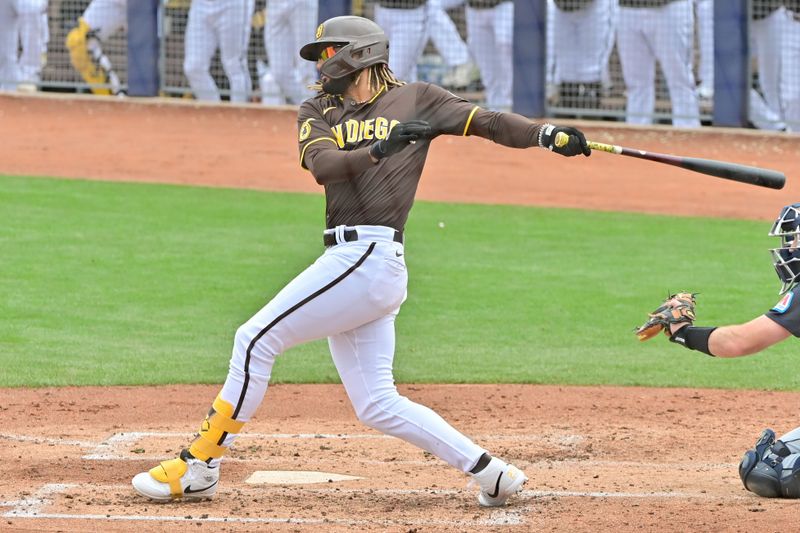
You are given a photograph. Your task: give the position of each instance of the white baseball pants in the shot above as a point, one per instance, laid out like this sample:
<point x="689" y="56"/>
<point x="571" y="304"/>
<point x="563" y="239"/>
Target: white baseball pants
<point x="406" y="30"/>
<point x="290" y="24"/>
<point x="351" y="295"/>
<point x="223" y="24"/>
<point x="666" y="34"/>
<point x="490" y="38"/>
<point x="106" y="17"/>
<point x="21" y="22"/>
<point x="582" y="41"/>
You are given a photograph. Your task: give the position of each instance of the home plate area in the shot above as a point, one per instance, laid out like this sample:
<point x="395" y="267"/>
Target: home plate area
<point x="356" y="480"/>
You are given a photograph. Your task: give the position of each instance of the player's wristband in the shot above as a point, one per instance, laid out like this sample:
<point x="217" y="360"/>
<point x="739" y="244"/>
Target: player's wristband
<point x="545" y="132"/>
<point x="693" y="338"/>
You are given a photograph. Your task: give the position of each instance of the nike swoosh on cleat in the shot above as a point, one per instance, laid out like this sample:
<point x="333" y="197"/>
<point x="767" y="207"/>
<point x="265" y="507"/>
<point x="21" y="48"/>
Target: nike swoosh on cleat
<point x="496" y="487"/>
<point x="188" y="489"/>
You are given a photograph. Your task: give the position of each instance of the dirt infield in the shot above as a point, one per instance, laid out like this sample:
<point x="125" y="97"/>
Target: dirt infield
<point x="599" y="458"/>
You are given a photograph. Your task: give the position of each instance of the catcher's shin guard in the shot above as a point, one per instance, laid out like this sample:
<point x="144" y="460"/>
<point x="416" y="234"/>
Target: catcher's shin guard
<point x="80" y="58"/>
<point x="218" y="424"/>
<point x="772" y="468"/>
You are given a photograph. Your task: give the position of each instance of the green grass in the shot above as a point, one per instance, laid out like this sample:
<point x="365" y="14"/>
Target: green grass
<point x="111" y="283"/>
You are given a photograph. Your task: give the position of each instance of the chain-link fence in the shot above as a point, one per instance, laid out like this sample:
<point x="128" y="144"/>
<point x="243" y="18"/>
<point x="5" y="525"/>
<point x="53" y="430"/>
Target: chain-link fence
<point x="775" y="50"/>
<point x="641" y="61"/>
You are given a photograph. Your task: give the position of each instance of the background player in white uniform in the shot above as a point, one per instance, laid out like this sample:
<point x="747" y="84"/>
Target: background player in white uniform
<point x="581" y="64"/>
<point x="22" y="23"/>
<point x="100" y="20"/>
<point x="365" y="138"/>
<point x="705" y="39"/>
<point x="790" y="79"/>
<point x="405" y="23"/>
<point x="223" y="24"/>
<point x="490" y="37"/>
<point x="765" y="44"/>
<point x="443" y="33"/>
<point x="772" y="468"/>
<point x="287" y="27"/>
<point x="663" y="30"/>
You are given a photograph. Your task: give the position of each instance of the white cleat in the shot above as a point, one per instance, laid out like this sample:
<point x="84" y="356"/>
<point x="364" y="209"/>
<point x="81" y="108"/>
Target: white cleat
<point x="498" y="481"/>
<point x="184" y="477"/>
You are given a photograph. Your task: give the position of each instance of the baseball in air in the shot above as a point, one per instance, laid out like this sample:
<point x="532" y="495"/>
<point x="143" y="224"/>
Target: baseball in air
<point x="441" y="224"/>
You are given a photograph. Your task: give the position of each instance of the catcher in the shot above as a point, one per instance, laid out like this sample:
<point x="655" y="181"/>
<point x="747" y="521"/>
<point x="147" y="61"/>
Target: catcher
<point x="772" y="468"/>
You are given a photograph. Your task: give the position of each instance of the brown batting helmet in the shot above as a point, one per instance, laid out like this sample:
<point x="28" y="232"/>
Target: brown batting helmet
<point x="358" y="42"/>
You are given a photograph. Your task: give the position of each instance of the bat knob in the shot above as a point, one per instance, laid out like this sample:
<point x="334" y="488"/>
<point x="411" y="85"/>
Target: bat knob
<point x="561" y="139"/>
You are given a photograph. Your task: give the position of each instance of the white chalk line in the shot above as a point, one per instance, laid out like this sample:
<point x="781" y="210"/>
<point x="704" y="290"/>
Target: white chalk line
<point x="31" y="508"/>
<point x="54" y="441"/>
<point x="108" y="450"/>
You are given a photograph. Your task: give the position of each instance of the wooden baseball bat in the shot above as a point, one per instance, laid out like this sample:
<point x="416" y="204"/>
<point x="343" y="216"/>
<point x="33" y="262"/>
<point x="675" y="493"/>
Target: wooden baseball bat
<point x="730" y="171"/>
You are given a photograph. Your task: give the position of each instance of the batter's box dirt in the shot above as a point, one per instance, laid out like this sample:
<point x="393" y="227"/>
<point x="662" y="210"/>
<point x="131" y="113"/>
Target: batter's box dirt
<point x="631" y="459"/>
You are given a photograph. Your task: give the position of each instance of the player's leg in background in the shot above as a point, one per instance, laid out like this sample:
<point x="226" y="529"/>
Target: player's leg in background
<point x="583" y="61"/>
<point x="363" y="358"/>
<point x="503" y="29"/>
<point x="8" y="46"/>
<point x="490" y="37"/>
<point x="29" y="17"/>
<point x="638" y="66"/>
<point x="790" y="70"/>
<point x="705" y="34"/>
<point x="278" y="46"/>
<point x="552" y="78"/>
<point x="609" y="18"/>
<point x="100" y="20"/>
<point x="280" y="43"/>
<point x="480" y="40"/>
<point x="200" y="44"/>
<point x="233" y="30"/>
<point x="304" y="26"/>
<point x="767" y="41"/>
<point x="443" y="33"/>
<point x="673" y="38"/>
<point x="405" y="29"/>
<point x="567" y="49"/>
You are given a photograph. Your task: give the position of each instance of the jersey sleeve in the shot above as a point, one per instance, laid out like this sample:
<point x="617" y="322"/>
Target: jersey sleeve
<point x="447" y="113"/>
<point x="312" y="129"/>
<point x="320" y="151"/>
<point x="786" y="312"/>
<point x="450" y="114"/>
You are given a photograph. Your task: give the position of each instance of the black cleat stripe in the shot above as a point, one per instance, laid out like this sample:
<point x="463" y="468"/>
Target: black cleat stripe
<point x="188" y="489"/>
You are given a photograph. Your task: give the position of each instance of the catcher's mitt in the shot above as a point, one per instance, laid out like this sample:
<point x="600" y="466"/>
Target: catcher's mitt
<point x="677" y="308"/>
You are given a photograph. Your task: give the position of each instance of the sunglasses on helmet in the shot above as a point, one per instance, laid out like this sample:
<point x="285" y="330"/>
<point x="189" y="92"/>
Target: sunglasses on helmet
<point x="328" y="52"/>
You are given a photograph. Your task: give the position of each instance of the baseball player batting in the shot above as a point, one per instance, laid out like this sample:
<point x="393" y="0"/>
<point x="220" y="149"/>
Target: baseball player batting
<point x="772" y="467"/>
<point x="365" y="138"/>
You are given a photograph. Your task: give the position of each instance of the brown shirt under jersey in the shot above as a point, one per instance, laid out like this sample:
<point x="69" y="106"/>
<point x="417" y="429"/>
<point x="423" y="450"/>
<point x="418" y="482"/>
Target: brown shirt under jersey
<point x="335" y="135"/>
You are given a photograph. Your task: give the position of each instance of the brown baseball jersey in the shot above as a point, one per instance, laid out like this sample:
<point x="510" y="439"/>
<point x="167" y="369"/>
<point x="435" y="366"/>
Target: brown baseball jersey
<point x="335" y="134"/>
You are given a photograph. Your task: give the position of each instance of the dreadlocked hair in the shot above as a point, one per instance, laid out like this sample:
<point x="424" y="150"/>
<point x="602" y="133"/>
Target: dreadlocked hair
<point x="380" y="76"/>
